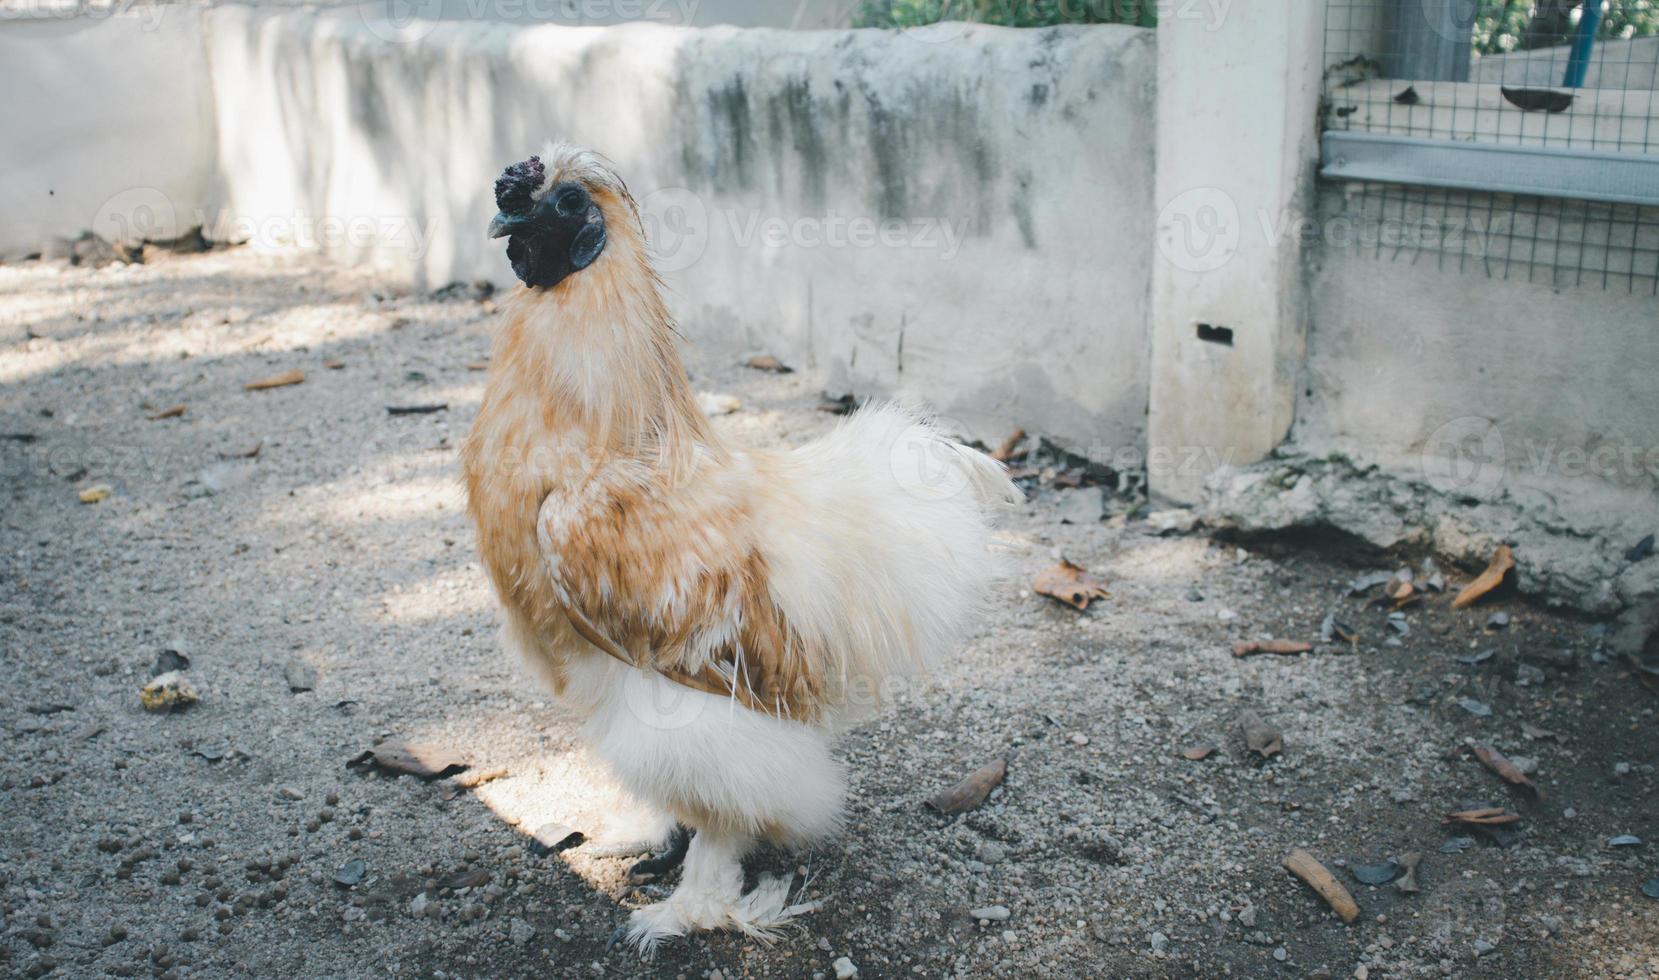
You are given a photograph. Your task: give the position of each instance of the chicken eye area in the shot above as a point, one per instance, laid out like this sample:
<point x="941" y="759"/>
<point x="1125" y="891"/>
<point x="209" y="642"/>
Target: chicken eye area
<point x="571" y="201"/>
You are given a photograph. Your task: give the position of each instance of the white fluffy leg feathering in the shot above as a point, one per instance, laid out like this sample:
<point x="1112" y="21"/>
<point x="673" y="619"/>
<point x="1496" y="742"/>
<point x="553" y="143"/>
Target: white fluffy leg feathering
<point x="750" y="775"/>
<point x="710" y="896"/>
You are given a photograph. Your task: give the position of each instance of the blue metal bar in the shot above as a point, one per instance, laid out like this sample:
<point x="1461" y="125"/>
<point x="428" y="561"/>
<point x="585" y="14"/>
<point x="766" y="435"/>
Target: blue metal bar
<point x="1584" y="44"/>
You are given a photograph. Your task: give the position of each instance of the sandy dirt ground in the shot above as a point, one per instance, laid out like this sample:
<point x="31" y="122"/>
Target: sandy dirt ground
<point x="222" y="840"/>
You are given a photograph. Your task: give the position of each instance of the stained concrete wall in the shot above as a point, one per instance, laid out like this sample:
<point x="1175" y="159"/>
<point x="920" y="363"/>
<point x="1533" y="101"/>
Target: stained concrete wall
<point x="1547" y="383"/>
<point x="107" y="123"/>
<point x="1444" y="407"/>
<point x="959" y="214"/>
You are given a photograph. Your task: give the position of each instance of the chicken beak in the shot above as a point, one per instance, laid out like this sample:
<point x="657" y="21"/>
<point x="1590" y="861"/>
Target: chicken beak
<point x="503" y="225"/>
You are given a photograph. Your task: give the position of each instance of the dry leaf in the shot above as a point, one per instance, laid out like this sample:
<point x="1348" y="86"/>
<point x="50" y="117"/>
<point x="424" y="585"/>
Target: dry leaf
<point x="766" y="362"/>
<point x="1502" y="561"/>
<point x="1407" y="883"/>
<point x="1306" y="867"/>
<point x="168" y="413"/>
<point x="1403" y="594"/>
<point x="1487" y="817"/>
<point x="396" y="756"/>
<point x="474" y="778"/>
<point x="971" y="792"/>
<point x="1249" y="647"/>
<point x="1194" y="753"/>
<point x="1005" y="452"/>
<point x="551" y="838"/>
<point x="1534" y="733"/>
<point x="282" y="380"/>
<point x="93" y="495"/>
<point x="1647" y="676"/>
<point x="1495" y="761"/>
<point x="475" y="878"/>
<point x="1262" y="738"/>
<point x="1069" y="584"/>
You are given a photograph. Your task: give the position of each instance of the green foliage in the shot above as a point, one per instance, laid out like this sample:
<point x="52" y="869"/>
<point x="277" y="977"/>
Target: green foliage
<point x="1520" y="25"/>
<point x="1008" y="13"/>
<point x="1500" y="25"/>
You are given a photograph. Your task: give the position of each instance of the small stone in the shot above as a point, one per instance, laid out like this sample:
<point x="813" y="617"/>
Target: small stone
<point x="520" y="932"/>
<point x="417" y="905"/>
<point x="290" y="793"/>
<point x="1078" y="738"/>
<point x="991" y="852"/>
<point x="1482" y="947"/>
<point x="1498" y="621"/>
<point x="1247" y="917"/>
<point x="1159" y="941"/>
<point x="1526" y="675"/>
<point x="991" y="913"/>
<point x="168" y="691"/>
<point x="1477" y="708"/>
<point x="845" y="969"/>
<point x="350" y="873"/>
<point x="1226" y="615"/>
<point x="1280" y="954"/>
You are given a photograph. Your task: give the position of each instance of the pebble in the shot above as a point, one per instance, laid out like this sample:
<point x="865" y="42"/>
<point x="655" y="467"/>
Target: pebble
<point x="1226" y="615"/>
<point x="991" y="913"/>
<point x="1159" y="941"/>
<point x="845" y="969"/>
<point x="1280" y="954"/>
<point x="1247" y="917"/>
<point x="417" y="906"/>
<point x="290" y="793"/>
<point x="520" y="932"/>
<point x="991" y="852"/>
<point x="1079" y="738"/>
<point x="1482" y="947"/>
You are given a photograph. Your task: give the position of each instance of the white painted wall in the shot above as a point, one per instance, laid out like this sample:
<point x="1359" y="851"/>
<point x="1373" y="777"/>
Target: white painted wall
<point x="105" y="121"/>
<point x="958" y="214"/>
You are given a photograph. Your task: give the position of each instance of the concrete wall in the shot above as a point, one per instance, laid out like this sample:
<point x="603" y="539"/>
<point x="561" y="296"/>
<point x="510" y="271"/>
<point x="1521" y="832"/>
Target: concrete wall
<point x="108" y="127"/>
<point x="1485" y="386"/>
<point x="959" y="214"/>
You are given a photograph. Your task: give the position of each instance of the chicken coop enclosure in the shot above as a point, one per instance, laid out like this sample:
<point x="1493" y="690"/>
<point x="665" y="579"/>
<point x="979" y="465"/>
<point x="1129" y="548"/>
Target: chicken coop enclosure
<point x="1514" y="140"/>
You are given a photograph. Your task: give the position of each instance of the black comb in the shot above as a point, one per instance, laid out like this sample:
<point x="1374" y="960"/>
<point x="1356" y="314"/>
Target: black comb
<point x="515" y="185"/>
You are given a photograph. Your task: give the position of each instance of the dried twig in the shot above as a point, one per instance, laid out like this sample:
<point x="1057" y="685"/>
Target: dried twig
<point x="1304" y="866"/>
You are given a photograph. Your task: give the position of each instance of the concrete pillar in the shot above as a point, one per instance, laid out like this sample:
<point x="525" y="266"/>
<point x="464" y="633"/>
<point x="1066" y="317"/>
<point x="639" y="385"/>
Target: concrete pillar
<point x="1238" y="102"/>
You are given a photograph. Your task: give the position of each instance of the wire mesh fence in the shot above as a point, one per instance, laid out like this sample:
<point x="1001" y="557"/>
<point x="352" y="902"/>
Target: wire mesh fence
<point x="1534" y="123"/>
<point x="1558" y="242"/>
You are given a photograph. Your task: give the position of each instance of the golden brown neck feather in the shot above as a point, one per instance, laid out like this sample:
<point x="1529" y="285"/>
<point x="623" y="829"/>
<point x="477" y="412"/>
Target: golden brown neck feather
<point x="598" y="349"/>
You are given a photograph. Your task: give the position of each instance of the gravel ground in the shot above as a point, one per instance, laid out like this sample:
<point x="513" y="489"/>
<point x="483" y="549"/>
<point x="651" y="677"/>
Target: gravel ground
<point x="206" y="842"/>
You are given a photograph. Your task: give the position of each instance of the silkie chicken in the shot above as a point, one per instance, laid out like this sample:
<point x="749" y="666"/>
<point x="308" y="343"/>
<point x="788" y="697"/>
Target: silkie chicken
<point x="715" y="614"/>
